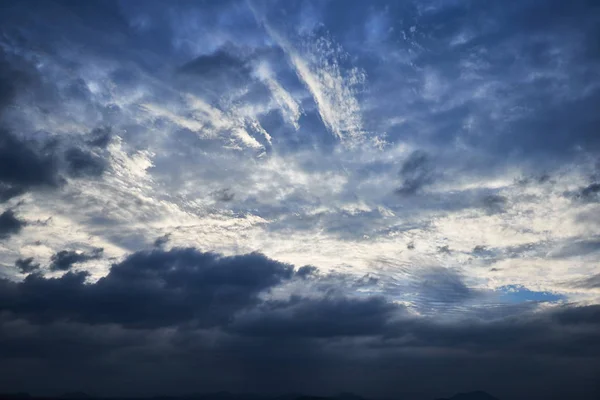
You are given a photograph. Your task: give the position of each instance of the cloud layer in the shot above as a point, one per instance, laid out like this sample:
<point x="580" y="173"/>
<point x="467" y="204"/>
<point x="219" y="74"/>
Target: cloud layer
<point x="201" y="313"/>
<point x="312" y="196"/>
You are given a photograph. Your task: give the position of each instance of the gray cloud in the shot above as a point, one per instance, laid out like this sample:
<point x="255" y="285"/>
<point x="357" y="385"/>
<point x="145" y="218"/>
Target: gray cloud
<point x="27" y="265"/>
<point x="494" y="203"/>
<point x="216" y="64"/>
<point x="222" y="321"/>
<point x="24" y="164"/>
<point x="590" y="193"/>
<point x="592" y="282"/>
<point x="442" y="286"/>
<point x="152" y="289"/>
<point x="576" y="248"/>
<point x="83" y="163"/>
<point x="10" y="224"/>
<point x="223" y="195"/>
<point x="23" y="167"/>
<point x="162" y="240"/>
<point x="416" y="173"/>
<point x="64" y="259"/>
<point x="100" y="137"/>
<point x="488" y="91"/>
<point x="327" y="317"/>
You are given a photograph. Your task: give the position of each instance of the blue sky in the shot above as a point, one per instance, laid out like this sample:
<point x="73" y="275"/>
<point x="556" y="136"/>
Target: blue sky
<point x="439" y="155"/>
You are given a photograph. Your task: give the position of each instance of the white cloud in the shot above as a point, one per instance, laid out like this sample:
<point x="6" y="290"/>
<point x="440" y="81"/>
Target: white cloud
<point x="290" y="109"/>
<point x="333" y="89"/>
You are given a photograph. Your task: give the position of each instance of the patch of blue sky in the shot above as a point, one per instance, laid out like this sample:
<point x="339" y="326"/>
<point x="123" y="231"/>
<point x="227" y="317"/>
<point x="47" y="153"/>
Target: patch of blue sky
<point x="520" y="294"/>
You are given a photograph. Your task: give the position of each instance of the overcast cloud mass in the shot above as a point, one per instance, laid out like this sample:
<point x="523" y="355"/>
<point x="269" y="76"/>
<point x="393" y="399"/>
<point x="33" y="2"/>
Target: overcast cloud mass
<point x="397" y="199"/>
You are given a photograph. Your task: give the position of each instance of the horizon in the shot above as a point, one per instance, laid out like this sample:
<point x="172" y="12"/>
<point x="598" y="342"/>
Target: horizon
<point x="394" y="198"/>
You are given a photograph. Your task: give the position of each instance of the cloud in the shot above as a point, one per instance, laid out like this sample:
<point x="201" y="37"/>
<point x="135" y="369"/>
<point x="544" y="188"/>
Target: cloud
<point x="23" y="167"/>
<point x="201" y="310"/>
<point x="83" y="163"/>
<point x="221" y="65"/>
<point x="27" y="265"/>
<point x="290" y="109"/>
<point x="306" y="271"/>
<point x="25" y="164"/>
<point x="592" y="282"/>
<point x="590" y="193"/>
<point x="158" y="288"/>
<point x="321" y="318"/>
<point x="494" y="203"/>
<point x="333" y="89"/>
<point x="10" y="224"/>
<point x="224" y="195"/>
<point x="11" y="79"/>
<point x="433" y="249"/>
<point x="416" y="172"/>
<point x="576" y="248"/>
<point x="441" y="288"/>
<point x="100" y="137"/>
<point x="154" y="289"/>
<point x="64" y="259"/>
<point x="162" y="240"/>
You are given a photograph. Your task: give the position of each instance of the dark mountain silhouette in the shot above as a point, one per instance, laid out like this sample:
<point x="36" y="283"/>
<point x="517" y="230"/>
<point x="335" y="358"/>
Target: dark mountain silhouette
<point x="478" y="395"/>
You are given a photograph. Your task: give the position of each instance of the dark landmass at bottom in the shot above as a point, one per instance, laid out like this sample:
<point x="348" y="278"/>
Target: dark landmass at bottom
<point x="477" y="395"/>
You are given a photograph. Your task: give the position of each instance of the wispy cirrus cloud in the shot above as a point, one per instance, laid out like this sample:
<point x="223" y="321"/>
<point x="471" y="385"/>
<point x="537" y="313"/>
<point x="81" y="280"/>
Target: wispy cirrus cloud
<point x="317" y="64"/>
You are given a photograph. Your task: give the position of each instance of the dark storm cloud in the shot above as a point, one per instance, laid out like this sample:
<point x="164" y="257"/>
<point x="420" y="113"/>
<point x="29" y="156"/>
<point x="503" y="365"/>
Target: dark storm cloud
<point x="148" y="289"/>
<point x="27" y="265"/>
<point x="64" y="259"/>
<point x="10" y="79"/>
<point x="82" y="163"/>
<point x="326" y="317"/>
<point x="306" y="271"/>
<point x="10" y="224"/>
<point x="100" y="137"/>
<point x="530" y="332"/>
<point x="175" y="288"/>
<point x="23" y="164"/>
<point x="28" y="163"/>
<point x="23" y="167"/>
<point x="117" y="325"/>
<point x="124" y="321"/>
<point x="416" y="172"/>
<point x="584" y="317"/>
<point x="162" y="240"/>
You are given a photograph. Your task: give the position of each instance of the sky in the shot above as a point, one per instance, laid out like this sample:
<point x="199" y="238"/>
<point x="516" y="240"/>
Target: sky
<point x="398" y="199"/>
